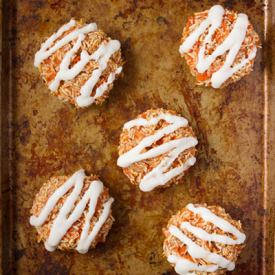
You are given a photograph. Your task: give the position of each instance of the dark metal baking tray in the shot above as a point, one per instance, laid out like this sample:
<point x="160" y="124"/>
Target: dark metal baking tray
<point x="41" y="136"/>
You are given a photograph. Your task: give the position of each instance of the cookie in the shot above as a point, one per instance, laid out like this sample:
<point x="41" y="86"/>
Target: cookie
<point x="79" y="63"/>
<point x="202" y="240"/>
<point x="219" y="46"/>
<point x="156" y="149"/>
<point x="72" y="212"/>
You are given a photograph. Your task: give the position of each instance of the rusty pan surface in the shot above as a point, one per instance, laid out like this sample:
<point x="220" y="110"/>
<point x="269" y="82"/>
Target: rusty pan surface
<point x="42" y="137"/>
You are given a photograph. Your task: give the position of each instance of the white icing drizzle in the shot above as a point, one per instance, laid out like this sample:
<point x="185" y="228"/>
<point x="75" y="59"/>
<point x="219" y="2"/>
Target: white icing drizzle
<point x="87" y="238"/>
<point x="64" y="72"/>
<point x="158" y="176"/>
<point x="184" y="266"/>
<point x="198" y="252"/>
<point x="101" y="56"/>
<point x="202" y="234"/>
<point x="221" y="223"/>
<point x="231" y="44"/>
<point x="86" y="100"/>
<point x="70" y="213"/>
<point x="46" y="49"/>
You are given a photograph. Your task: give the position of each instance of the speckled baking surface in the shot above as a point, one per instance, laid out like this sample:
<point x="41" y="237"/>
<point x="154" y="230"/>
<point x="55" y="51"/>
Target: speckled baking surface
<point x="42" y="136"/>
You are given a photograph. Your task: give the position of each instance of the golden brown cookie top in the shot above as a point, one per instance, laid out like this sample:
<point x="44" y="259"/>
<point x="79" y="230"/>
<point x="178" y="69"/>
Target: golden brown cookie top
<point x="79" y="63"/>
<point x="219" y="46"/>
<point x="72" y="212"/>
<point x="156" y="149"/>
<point x="203" y="239"/>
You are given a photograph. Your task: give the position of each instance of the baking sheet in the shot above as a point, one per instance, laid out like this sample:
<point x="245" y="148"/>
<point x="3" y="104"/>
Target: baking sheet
<point x="42" y="137"/>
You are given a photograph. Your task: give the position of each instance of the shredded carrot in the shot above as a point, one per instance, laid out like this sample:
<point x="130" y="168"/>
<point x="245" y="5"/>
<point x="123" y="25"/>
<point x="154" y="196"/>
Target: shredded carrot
<point x="231" y="17"/>
<point x="202" y="77"/>
<point x="47" y="61"/>
<point x="76" y="59"/>
<point x="51" y="76"/>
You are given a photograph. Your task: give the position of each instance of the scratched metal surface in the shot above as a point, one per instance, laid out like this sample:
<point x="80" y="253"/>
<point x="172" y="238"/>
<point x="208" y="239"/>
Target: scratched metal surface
<point x="53" y="138"/>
